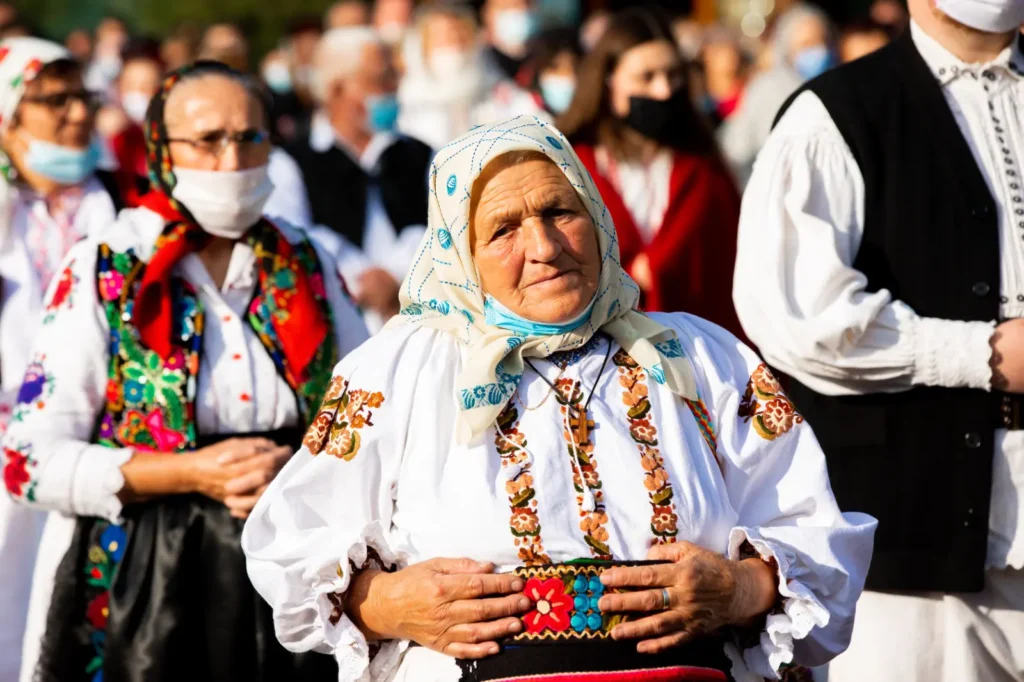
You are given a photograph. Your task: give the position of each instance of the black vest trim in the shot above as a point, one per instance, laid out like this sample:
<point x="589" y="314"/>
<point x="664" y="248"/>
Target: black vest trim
<point x="919" y="461"/>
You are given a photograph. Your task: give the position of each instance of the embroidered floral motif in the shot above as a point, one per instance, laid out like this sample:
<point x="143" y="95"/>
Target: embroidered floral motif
<point x="765" y="405"/>
<point x="344" y="411"/>
<point x="36" y="387"/>
<point x="595" y="534"/>
<point x="101" y="563"/>
<point x="522" y="497"/>
<point x="17" y="478"/>
<point x="636" y="398"/>
<point x="551" y="605"/>
<point x="565" y="600"/>
<point x="62" y="297"/>
<point x="494" y="393"/>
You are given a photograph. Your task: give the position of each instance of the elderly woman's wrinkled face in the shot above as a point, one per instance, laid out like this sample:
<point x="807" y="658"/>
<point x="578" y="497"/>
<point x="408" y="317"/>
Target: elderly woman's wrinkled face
<point x="533" y="241"/>
<point x="212" y="123"/>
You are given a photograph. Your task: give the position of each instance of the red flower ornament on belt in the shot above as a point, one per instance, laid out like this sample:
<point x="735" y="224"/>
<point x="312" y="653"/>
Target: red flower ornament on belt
<point x="551" y="605"/>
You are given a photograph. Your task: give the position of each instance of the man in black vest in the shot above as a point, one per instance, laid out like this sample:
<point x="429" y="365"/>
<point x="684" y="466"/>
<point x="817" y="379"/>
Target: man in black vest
<point x="367" y="184"/>
<point x="881" y="265"/>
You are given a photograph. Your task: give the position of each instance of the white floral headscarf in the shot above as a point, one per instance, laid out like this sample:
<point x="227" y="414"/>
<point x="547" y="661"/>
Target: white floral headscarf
<point x="442" y="290"/>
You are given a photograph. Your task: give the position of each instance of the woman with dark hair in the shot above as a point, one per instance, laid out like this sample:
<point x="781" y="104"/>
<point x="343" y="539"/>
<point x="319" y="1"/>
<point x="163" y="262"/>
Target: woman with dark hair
<point x="183" y="350"/>
<point x="553" y="60"/>
<point x="655" y="163"/>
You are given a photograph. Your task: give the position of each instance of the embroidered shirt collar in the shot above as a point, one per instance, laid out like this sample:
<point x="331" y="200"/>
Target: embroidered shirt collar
<point x="947" y="67"/>
<point x="322" y="137"/>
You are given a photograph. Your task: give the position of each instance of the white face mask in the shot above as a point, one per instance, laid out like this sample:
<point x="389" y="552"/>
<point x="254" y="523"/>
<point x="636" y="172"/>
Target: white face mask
<point x="392" y="33"/>
<point x="135" y="105"/>
<point x="224" y="203"/>
<point x="991" y="16"/>
<point x="447" y="61"/>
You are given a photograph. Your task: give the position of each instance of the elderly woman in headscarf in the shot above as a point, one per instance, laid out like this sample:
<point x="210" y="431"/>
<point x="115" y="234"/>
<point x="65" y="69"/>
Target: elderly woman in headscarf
<point x="802" y="49"/>
<point x="522" y="458"/>
<point x="184" y="350"/>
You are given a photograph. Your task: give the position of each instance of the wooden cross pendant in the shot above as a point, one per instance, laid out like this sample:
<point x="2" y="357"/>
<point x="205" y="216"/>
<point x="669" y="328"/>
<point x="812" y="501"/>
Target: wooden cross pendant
<point x="581" y="424"/>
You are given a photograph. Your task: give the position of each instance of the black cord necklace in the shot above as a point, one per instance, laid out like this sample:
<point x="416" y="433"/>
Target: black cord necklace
<point x="580" y="422"/>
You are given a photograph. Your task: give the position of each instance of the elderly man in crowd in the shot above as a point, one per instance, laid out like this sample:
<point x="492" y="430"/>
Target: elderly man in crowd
<point x="365" y="182"/>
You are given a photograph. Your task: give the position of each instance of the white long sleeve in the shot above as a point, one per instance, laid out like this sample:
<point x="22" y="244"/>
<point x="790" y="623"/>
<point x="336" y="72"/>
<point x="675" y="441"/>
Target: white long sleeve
<point x="797" y="293"/>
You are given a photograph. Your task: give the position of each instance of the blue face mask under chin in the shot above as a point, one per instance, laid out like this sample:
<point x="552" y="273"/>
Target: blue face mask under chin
<point x="66" y="165"/>
<point x="498" y="315"/>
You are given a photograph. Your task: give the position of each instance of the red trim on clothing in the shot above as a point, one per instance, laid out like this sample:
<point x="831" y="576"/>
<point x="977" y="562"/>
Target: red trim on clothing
<point x="693" y="254"/>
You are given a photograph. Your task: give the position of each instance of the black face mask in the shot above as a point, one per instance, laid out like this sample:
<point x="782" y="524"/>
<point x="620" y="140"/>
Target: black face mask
<point x="658" y="119"/>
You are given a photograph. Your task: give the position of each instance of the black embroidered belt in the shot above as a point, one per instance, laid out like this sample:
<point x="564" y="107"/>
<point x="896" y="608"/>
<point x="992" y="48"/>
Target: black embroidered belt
<point x="566" y="637"/>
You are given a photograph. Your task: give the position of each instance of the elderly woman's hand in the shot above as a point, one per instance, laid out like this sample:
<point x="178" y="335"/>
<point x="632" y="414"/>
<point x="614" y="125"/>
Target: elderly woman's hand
<point x="458" y="607"/>
<point x="705" y="592"/>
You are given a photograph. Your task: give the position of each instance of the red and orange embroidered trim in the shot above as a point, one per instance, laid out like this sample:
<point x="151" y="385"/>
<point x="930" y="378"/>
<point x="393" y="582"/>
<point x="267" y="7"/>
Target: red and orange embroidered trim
<point x="768" y="409"/>
<point x="706" y="426"/>
<point x="335" y="429"/>
<point x="664" y="519"/>
<point x="568" y="392"/>
<point x="522" y="498"/>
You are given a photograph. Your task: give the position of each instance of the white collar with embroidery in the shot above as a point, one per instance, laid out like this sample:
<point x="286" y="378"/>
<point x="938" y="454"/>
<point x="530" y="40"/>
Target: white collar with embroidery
<point x="1008" y="64"/>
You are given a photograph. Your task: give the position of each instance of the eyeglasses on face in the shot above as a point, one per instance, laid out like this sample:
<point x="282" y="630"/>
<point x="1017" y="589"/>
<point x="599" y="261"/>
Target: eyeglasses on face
<point x="216" y="141"/>
<point x="61" y="101"/>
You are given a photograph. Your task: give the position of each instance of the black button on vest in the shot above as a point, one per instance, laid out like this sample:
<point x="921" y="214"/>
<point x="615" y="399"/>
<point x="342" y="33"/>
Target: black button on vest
<point x="919" y="461"/>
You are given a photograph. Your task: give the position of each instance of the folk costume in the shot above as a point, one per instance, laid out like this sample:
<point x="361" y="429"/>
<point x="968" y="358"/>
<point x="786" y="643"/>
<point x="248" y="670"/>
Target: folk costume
<point x="451" y="435"/>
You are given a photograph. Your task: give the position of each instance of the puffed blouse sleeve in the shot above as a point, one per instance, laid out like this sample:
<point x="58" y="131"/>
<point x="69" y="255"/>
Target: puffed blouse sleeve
<point x="328" y="512"/>
<point x="776" y="480"/>
<point x="51" y="461"/>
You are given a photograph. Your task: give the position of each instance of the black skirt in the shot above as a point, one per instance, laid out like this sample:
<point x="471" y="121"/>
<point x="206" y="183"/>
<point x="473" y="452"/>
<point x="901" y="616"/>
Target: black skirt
<point x="163" y="598"/>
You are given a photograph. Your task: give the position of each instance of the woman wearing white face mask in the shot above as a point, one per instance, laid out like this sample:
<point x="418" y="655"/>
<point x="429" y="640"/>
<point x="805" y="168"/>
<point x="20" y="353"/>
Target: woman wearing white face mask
<point x="138" y="81"/>
<point x="449" y="85"/>
<point x="204" y="335"/>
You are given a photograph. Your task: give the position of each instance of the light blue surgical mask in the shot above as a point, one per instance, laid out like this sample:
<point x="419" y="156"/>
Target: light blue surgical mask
<point x="381" y="112"/>
<point x="278" y="77"/>
<point x="813" y="61"/>
<point x="66" y="165"/>
<point x="498" y="315"/>
<point x="515" y="27"/>
<point x="557" y="92"/>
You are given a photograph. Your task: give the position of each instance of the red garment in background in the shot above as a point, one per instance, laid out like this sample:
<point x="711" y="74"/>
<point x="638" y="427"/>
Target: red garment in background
<point x="129" y="147"/>
<point x="693" y="253"/>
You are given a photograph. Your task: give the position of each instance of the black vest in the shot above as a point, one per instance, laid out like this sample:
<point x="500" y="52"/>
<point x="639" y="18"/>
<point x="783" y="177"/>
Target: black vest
<point x="919" y="461"/>
<point x="337" y="186"/>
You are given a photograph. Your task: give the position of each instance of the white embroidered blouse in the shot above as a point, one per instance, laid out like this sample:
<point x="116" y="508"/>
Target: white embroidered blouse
<point x="239" y="389"/>
<point x="389" y="477"/>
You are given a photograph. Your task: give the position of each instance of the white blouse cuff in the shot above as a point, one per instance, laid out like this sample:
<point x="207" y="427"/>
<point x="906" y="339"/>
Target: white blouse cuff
<point x="93" y="479"/>
<point x="952" y="353"/>
<point x="801" y="610"/>
<point x="357" y="660"/>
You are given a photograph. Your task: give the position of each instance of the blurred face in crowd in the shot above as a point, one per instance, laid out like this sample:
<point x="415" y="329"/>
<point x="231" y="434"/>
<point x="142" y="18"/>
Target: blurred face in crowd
<point x="722" y="57"/>
<point x="201" y="114"/>
<point x="533" y="242"/>
<point x="347" y="13"/>
<point x="391" y="17"/>
<point x="509" y="24"/>
<point x="138" y="82"/>
<point x="448" y="42"/>
<point x="225" y="43"/>
<point x="55" y="110"/>
<point x="79" y="44"/>
<point x="858" y="44"/>
<point x="176" y="52"/>
<point x="557" y="81"/>
<point x="350" y="99"/>
<point x="111" y="35"/>
<point x="810" y="32"/>
<point x="653" y="70"/>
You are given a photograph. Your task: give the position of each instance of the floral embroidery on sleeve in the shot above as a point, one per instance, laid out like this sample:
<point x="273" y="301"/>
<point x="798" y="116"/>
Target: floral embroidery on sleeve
<point x="522" y="497"/>
<point x="344" y="411"/>
<point x="36" y="388"/>
<point x="17" y="478"/>
<point x="765" y="405"/>
<point x="62" y="294"/>
<point x="632" y="377"/>
<point x="568" y="392"/>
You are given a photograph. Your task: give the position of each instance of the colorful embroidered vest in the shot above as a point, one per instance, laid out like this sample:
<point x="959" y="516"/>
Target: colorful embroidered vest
<point x="150" y="402"/>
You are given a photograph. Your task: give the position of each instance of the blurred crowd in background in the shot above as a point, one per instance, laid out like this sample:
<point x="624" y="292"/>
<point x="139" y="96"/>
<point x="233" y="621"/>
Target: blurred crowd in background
<point x="428" y="71"/>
